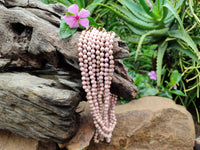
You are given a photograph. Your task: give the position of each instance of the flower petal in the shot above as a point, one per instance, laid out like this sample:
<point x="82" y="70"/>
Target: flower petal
<point x="69" y="19"/>
<point x="84" y="22"/>
<point x="74" y="24"/>
<point x="73" y="9"/>
<point x="84" y="13"/>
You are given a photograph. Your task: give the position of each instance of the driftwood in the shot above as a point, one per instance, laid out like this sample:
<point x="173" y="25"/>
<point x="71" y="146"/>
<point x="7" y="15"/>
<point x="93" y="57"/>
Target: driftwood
<point x="40" y="84"/>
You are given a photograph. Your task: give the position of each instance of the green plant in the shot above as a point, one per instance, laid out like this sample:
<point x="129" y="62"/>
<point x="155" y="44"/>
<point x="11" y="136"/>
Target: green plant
<point x="153" y="21"/>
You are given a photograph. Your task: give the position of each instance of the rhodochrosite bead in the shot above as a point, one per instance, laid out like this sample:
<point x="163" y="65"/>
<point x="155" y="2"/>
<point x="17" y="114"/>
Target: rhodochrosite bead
<point x="97" y="67"/>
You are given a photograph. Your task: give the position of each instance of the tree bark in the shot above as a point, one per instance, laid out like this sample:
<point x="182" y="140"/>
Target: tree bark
<point x="40" y="85"/>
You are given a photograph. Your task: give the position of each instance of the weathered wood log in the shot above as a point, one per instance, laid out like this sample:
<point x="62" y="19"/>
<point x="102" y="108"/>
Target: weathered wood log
<point x="40" y="84"/>
<point x="34" y="107"/>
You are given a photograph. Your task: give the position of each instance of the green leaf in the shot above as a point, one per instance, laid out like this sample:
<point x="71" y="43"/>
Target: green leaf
<point x="187" y="51"/>
<point x="177" y="92"/>
<point x="66" y="2"/>
<point x="147" y="7"/>
<point x="196" y="39"/>
<point x="161" y="50"/>
<point x="135" y="29"/>
<point x="137" y="23"/>
<point x="175" y="77"/>
<point x="80" y="3"/>
<point x="135" y="9"/>
<point x="148" y="92"/>
<point x="166" y="94"/>
<point x="93" y="5"/>
<point x="93" y="23"/>
<point x="65" y="30"/>
<point x="48" y="1"/>
<point x="160" y="32"/>
<point x="181" y="34"/>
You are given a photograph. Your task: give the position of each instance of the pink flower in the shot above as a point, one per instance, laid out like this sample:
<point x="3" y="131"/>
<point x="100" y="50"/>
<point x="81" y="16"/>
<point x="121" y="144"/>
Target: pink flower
<point x="72" y="20"/>
<point x="175" y="87"/>
<point x="152" y="75"/>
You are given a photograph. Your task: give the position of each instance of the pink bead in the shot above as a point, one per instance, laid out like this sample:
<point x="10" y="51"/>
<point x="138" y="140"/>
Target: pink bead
<point x="85" y="61"/>
<point x="84" y="41"/>
<point x="110" y="46"/>
<point x="90" y="67"/>
<point x="112" y="66"/>
<point x="106" y="60"/>
<point x="90" y="72"/>
<point x="106" y="69"/>
<point x="110" y="52"/>
<point x="101" y="64"/>
<point x="102" y="49"/>
<point x="80" y="49"/>
<point x="112" y="62"/>
<point x="107" y="54"/>
<point x="92" y="51"/>
<point x="97" y="47"/>
<point x="80" y="44"/>
<point x="84" y="51"/>
<point x="107" y="44"/>
<point x="106" y="65"/>
<point x="83" y="73"/>
<point x="98" y="52"/>
<point x="89" y="53"/>
<point x="89" y="59"/>
<point x="111" y="41"/>
<point x="88" y="48"/>
<point x="94" y="61"/>
<point x="80" y="59"/>
<point x="107" y="49"/>
<point x="101" y="44"/>
<point x="82" y="69"/>
<point x="102" y="59"/>
<point x="98" y="57"/>
<point x="111" y="57"/>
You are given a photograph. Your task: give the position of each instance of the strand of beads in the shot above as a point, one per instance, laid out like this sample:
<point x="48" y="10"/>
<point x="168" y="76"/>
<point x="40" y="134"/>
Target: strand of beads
<point x="97" y="67"/>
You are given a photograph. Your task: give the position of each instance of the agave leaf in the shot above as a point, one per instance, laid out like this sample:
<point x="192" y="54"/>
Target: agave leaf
<point x="196" y="39"/>
<point x="92" y="6"/>
<point x="67" y="2"/>
<point x="134" y="8"/>
<point x="187" y="51"/>
<point x="146" y="6"/>
<point x="159" y="32"/>
<point x="137" y="23"/>
<point x="80" y="3"/>
<point x="129" y="13"/>
<point x="161" y="50"/>
<point x="135" y="29"/>
<point x="181" y="34"/>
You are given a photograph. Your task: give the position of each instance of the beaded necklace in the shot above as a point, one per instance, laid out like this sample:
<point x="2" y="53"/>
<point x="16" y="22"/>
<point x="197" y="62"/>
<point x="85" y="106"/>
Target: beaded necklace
<point x="97" y="67"/>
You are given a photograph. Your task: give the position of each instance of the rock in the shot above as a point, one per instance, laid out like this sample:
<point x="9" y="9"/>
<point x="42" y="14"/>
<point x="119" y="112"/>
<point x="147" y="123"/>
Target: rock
<point x="86" y="130"/>
<point x="151" y="123"/>
<point x="9" y="141"/>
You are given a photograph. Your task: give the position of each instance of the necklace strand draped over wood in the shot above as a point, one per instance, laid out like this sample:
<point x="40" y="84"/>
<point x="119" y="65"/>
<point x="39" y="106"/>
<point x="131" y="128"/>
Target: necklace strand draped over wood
<point x="97" y="66"/>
